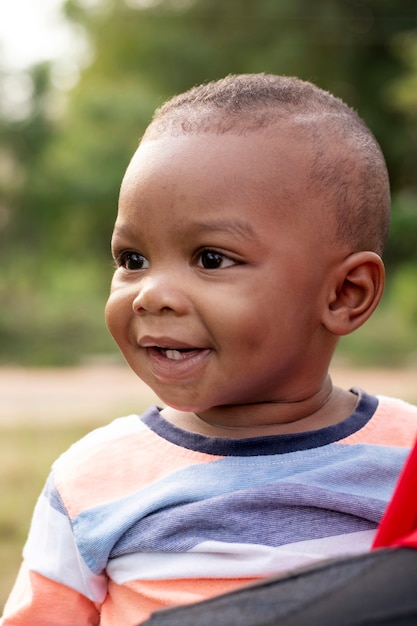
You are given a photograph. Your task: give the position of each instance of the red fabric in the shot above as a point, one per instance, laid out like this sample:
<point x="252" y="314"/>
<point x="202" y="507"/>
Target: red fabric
<point x="398" y="526"/>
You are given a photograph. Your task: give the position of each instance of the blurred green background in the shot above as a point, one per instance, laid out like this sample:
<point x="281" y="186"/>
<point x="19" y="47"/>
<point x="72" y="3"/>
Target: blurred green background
<point x="63" y="154"/>
<point x="68" y="130"/>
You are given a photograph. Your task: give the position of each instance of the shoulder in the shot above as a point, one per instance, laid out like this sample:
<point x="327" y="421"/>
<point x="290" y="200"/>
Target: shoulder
<point x="110" y="435"/>
<point x="100" y="454"/>
<point x="114" y="462"/>
<point x="397" y="406"/>
<point x="394" y="423"/>
<point x="397" y="413"/>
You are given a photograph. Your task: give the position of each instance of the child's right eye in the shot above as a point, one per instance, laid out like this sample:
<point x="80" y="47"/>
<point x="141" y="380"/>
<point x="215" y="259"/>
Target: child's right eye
<point x="132" y="261"/>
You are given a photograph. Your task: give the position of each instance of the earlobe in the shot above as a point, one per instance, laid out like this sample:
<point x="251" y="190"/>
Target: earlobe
<point x="356" y="290"/>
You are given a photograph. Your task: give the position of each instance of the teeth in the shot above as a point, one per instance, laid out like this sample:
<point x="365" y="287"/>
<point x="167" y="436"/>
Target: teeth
<point x="175" y="355"/>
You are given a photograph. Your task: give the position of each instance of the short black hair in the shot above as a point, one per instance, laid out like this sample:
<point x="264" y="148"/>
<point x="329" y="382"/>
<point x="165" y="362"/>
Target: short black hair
<point x="348" y="166"/>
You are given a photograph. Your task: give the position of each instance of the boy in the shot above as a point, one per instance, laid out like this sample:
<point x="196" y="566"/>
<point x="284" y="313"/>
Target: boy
<point x="251" y="223"/>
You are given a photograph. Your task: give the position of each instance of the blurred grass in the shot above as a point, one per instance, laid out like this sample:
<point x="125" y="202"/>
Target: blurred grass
<point x="26" y="456"/>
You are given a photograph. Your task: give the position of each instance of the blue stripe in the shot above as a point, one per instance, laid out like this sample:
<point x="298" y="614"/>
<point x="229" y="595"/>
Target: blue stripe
<point x="270" y="500"/>
<point x="53" y="496"/>
<point x="272" y="516"/>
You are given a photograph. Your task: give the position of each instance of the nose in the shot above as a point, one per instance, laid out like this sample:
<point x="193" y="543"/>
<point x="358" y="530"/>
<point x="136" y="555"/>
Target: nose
<point x="160" y="294"/>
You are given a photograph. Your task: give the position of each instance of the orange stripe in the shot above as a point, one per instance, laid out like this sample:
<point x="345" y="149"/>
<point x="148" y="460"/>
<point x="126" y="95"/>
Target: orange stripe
<point x="38" y="601"/>
<point x="394" y="424"/>
<point x="119" y="468"/>
<point x="134" y="602"/>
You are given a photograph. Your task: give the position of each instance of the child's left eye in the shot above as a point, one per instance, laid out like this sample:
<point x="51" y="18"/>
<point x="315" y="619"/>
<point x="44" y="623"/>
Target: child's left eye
<point x="211" y="260"/>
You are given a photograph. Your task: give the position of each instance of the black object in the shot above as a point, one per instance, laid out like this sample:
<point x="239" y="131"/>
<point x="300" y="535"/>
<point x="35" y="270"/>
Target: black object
<point x="378" y="588"/>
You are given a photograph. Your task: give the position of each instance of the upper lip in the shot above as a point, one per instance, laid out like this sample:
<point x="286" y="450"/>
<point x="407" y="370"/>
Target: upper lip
<point x="165" y="342"/>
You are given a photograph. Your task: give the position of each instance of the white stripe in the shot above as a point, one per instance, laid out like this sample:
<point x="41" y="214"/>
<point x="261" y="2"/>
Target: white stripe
<point x="52" y="552"/>
<point x="214" y="559"/>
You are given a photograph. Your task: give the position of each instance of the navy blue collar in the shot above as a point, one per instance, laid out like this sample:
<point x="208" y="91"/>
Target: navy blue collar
<point x="265" y="445"/>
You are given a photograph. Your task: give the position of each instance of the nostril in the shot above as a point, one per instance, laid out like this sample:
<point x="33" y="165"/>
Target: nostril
<point x="137" y="307"/>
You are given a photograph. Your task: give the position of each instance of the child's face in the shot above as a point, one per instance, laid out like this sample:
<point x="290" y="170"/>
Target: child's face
<point x="222" y="271"/>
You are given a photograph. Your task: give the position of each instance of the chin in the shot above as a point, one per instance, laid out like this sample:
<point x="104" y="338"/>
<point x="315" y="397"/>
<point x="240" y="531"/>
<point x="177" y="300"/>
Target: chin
<point x="187" y="406"/>
<point x="184" y="406"/>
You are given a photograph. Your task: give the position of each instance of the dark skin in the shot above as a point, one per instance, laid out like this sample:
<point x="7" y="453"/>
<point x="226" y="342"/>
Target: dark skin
<point x="227" y="301"/>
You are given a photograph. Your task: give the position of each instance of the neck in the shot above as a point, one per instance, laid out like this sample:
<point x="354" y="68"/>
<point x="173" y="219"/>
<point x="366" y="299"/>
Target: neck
<point x="326" y="407"/>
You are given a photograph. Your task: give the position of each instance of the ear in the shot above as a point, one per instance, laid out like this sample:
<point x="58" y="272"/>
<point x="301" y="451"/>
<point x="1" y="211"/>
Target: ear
<point x="356" y="290"/>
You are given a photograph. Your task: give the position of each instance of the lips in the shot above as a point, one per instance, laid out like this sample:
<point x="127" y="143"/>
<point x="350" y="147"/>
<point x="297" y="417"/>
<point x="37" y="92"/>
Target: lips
<point x="166" y="343"/>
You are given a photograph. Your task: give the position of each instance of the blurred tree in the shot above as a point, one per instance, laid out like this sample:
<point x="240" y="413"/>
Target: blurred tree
<point x="401" y="94"/>
<point x="27" y="137"/>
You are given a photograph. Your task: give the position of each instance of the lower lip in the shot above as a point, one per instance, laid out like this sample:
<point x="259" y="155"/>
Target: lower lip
<point x="172" y="370"/>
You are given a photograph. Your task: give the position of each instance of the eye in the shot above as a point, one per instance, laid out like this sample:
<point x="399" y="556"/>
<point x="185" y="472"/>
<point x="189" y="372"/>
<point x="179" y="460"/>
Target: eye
<point x="132" y="261"/>
<point x="212" y="260"/>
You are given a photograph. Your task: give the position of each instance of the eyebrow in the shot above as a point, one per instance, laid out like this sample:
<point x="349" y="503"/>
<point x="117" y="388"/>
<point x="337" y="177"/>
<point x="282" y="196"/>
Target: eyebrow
<point x="234" y="226"/>
<point x="120" y="231"/>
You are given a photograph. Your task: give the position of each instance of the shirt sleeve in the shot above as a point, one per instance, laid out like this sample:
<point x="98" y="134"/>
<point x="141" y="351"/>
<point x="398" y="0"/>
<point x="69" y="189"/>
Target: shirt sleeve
<point x="54" y="585"/>
<point x="38" y="601"/>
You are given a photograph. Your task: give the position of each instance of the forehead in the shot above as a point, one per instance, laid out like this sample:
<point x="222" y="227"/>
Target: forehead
<point x="263" y="164"/>
<point x="259" y="181"/>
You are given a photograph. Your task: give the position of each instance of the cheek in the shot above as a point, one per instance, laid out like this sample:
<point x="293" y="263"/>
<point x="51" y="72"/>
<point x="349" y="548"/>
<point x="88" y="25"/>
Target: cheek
<point x="109" y="315"/>
<point x="116" y="314"/>
<point x="246" y="322"/>
<point x="266" y="319"/>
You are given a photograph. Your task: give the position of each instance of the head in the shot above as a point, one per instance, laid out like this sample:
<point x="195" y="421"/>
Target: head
<point x="346" y="168"/>
<point x="251" y="222"/>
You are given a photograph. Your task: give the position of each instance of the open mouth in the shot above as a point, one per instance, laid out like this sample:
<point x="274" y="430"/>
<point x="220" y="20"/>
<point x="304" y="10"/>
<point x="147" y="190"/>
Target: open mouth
<point x="172" y="363"/>
<point x="177" y="354"/>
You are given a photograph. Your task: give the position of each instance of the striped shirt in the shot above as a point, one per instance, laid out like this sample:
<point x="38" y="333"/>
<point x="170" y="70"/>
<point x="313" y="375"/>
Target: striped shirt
<point x="139" y="514"/>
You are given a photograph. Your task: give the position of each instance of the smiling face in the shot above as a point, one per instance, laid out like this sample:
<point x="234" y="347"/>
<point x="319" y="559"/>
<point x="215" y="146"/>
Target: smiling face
<point x="223" y="265"/>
